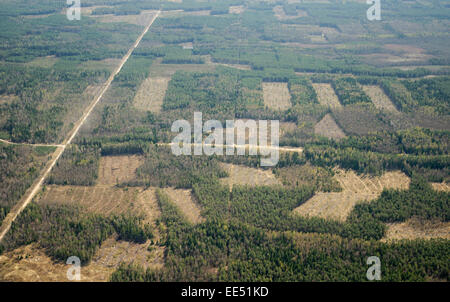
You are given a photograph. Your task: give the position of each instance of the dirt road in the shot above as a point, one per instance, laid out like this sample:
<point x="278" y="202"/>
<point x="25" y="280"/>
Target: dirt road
<point x="37" y="185"/>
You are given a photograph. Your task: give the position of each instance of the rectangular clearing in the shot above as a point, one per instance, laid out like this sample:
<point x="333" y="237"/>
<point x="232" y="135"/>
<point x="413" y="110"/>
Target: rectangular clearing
<point x="417" y="229"/>
<point x="276" y="95"/>
<point x="117" y="169"/>
<point x="379" y="98"/>
<point x="326" y="95"/>
<point x="99" y="199"/>
<point x="241" y="175"/>
<point x="184" y="201"/>
<point x="151" y="93"/>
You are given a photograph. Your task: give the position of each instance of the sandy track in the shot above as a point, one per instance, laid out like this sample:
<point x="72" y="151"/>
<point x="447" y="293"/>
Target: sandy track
<point x="32" y="191"/>
<point x="26" y="144"/>
<point x="246" y="147"/>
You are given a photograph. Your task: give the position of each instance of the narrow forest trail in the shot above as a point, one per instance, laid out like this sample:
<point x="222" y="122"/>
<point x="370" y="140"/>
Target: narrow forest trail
<point x="37" y="185"/>
<point x="247" y="146"/>
<point x="27" y="144"/>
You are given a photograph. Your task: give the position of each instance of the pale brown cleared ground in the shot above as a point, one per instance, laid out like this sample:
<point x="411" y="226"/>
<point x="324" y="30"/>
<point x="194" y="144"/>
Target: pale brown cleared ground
<point x="327" y="127"/>
<point x="151" y="93"/>
<point x="93" y="90"/>
<point x="443" y="187"/>
<point x="142" y="19"/>
<point x="384" y="58"/>
<point x="8" y="99"/>
<point x="208" y="61"/>
<point x="184" y="201"/>
<point x="109" y="63"/>
<point x="318" y="38"/>
<point x="117" y="169"/>
<point x="280" y="14"/>
<point x="276" y="95"/>
<point x="88" y="10"/>
<point x="37" y="185"/>
<point x="105" y="200"/>
<point x="379" y="98"/>
<point x="30" y="263"/>
<point x="326" y="95"/>
<point x="356" y="189"/>
<point x="45" y="62"/>
<point x="168" y="70"/>
<point x="236" y="9"/>
<point x="113" y="252"/>
<point x="242" y="175"/>
<point x="417" y="229"/>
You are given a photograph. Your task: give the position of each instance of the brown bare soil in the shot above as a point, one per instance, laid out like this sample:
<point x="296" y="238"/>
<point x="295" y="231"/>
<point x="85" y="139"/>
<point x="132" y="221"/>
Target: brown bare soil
<point x="185" y="202"/>
<point x="109" y="63"/>
<point x="150" y="95"/>
<point x="327" y="127"/>
<point x="317" y="38"/>
<point x="417" y="229"/>
<point x="379" y="98"/>
<point x="106" y="200"/>
<point x="208" y="61"/>
<point x="7" y="99"/>
<point x="103" y="200"/>
<point x="93" y="90"/>
<point x="88" y="10"/>
<point x="326" y="95"/>
<point x="276" y="95"/>
<point x="236" y="9"/>
<point x="114" y="201"/>
<point x="241" y="175"/>
<point x="30" y="264"/>
<point x="383" y="58"/>
<point x="117" y="169"/>
<point x="280" y="14"/>
<point x="167" y="70"/>
<point x="143" y="19"/>
<point x="356" y="189"/>
<point x="113" y="252"/>
<point x="443" y="187"/>
<point x="47" y="62"/>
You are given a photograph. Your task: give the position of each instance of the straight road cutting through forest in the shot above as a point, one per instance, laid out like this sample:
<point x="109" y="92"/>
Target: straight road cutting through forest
<point x="32" y="191"/>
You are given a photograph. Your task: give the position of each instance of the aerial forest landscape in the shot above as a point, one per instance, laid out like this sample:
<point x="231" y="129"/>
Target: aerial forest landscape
<point x="224" y="140"/>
